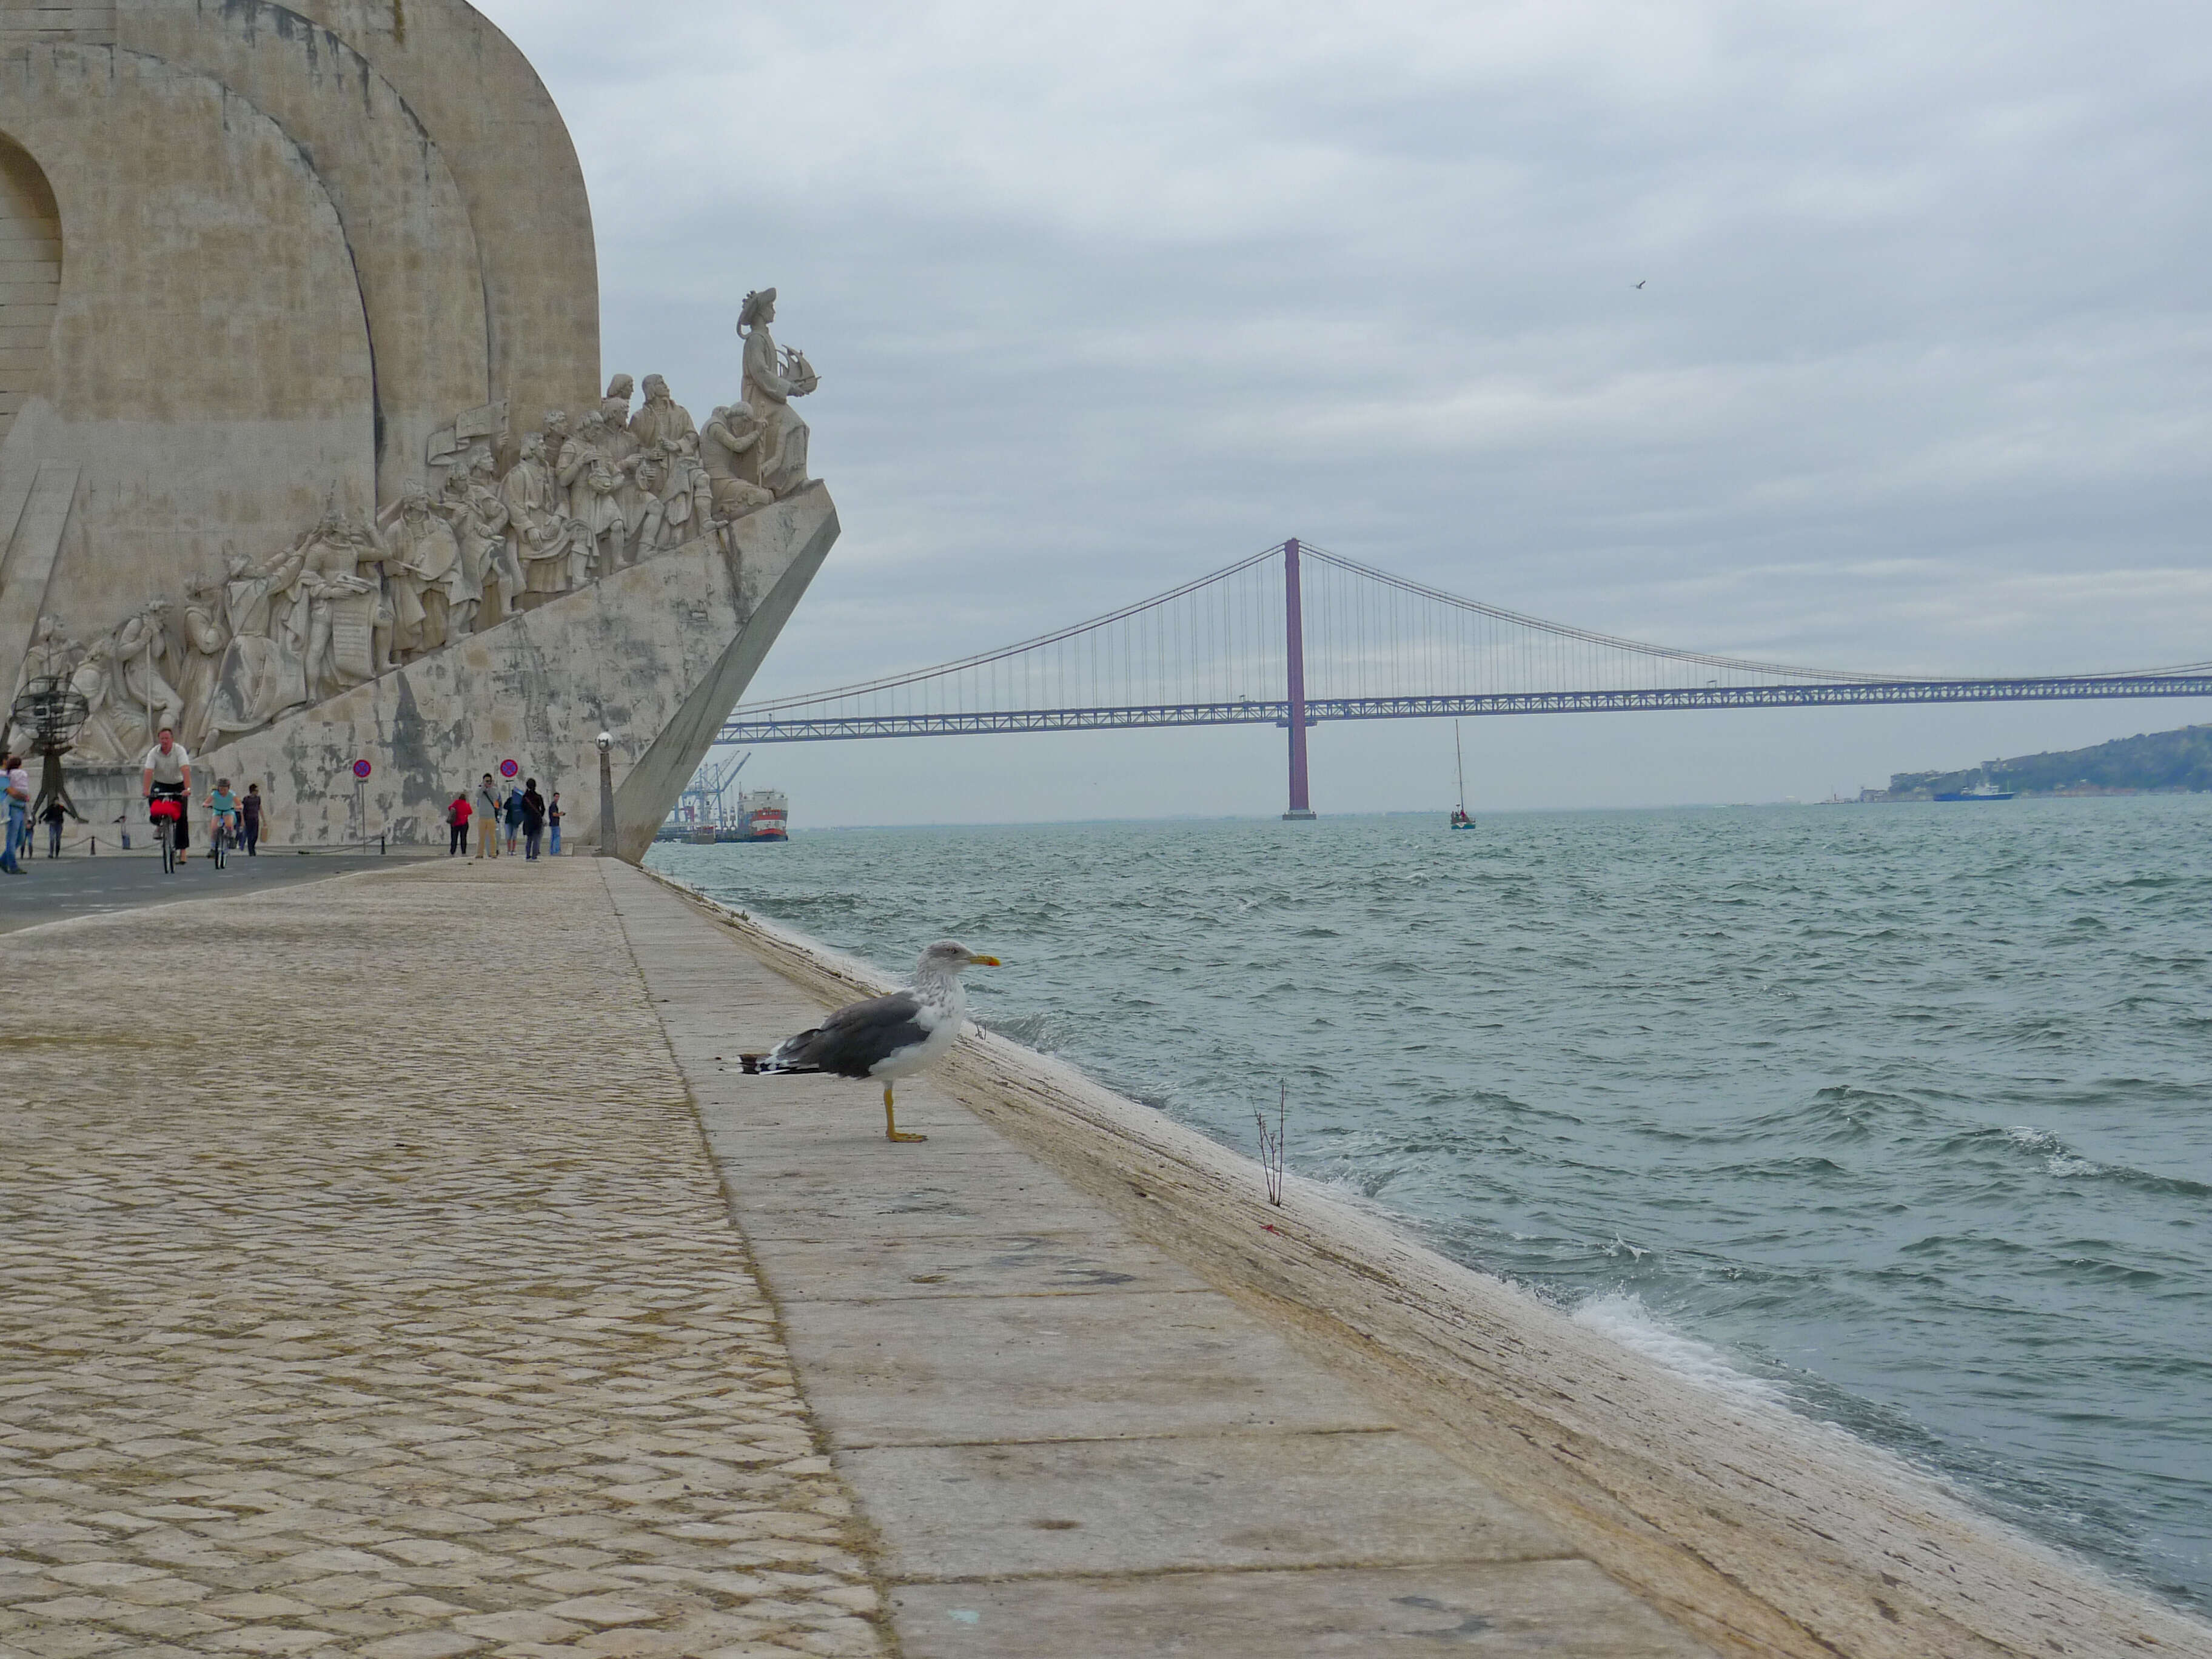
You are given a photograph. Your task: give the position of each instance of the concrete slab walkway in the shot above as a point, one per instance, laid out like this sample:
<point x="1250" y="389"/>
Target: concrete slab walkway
<point x="1065" y="1442"/>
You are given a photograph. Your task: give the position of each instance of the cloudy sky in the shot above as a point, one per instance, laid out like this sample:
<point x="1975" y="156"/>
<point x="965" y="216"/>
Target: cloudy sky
<point x="1106" y="296"/>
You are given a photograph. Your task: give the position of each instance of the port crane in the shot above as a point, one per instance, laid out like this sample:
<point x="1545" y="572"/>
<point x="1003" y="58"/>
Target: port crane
<point x="703" y="798"/>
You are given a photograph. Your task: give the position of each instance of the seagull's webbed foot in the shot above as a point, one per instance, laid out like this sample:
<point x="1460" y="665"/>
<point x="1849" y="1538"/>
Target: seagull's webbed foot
<point x="891" y="1130"/>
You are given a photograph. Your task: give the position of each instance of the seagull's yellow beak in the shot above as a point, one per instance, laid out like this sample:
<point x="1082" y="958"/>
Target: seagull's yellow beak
<point x="983" y="962"/>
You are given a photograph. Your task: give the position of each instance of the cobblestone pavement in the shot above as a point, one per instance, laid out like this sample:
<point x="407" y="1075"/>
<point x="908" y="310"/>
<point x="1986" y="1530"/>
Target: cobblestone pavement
<point x="397" y="1314"/>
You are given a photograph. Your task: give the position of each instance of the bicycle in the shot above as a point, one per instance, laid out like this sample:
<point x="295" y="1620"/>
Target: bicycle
<point x="165" y="832"/>
<point x="219" y="841"/>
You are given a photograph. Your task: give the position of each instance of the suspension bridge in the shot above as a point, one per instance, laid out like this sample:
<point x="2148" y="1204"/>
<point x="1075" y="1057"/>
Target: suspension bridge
<point x="1294" y="635"/>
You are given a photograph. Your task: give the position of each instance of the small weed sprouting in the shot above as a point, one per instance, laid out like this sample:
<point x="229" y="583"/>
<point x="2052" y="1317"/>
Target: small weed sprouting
<point x="1271" y="1143"/>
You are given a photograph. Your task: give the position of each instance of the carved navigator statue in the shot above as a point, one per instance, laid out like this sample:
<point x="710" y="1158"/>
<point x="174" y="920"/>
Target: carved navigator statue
<point x="688" y="496"/>
<point x="554" y="437"/>
<point x="661" y="419"/>
<point x="593" y="482"/>
<point x="142" y="692"/>
<point x="733" y="436"/>
<point x="614" y="408"/>
<point x="335" y="607"/>
<point x="778" y="461"/>
<point x="99" y="738"/>
<point x="206" y="635"/>
<point x="423" y="566"/>
<point x="264" y="671"/>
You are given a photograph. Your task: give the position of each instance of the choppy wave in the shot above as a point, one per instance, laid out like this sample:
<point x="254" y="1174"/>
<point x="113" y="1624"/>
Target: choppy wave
<point x="1898" y="1115"/>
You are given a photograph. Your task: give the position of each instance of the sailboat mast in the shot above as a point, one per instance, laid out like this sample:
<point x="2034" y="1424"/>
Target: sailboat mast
<point x="1458" y="761"/>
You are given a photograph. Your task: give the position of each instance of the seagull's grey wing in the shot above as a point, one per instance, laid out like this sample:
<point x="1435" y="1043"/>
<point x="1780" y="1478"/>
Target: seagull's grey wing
<point x="857" y="1035"/>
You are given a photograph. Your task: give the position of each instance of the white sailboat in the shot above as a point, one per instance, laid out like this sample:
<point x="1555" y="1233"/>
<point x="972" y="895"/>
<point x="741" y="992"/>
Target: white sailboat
<point x="1459" y="817"/>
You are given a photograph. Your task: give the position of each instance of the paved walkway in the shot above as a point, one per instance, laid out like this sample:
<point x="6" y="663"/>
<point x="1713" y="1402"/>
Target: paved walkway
<point x="1068" y="1444"/>
<point x="397" y="1314"/>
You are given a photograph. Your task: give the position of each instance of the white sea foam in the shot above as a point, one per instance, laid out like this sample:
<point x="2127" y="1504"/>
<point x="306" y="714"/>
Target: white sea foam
<point x="1622" y="1316"/>
<point x="2060" y="1160"/>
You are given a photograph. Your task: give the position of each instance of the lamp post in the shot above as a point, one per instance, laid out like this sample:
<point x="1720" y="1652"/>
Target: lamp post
<point x="607" y="795"/>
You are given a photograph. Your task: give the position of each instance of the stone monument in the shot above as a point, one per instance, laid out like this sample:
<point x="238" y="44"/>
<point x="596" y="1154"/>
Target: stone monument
<point x="301" y="449"/>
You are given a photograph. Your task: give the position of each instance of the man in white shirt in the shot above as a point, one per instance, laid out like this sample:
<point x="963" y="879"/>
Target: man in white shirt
<point x="168" y="772"/>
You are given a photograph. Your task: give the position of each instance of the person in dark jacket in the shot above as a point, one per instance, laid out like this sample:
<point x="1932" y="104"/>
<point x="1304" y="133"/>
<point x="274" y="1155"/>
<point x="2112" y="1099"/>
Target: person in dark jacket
<point x="534" y="821"/>
<point x="512" y="812"/>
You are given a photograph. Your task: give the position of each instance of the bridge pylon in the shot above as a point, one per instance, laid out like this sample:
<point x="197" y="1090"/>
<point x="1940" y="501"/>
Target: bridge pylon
<point x="1294" y="658"/>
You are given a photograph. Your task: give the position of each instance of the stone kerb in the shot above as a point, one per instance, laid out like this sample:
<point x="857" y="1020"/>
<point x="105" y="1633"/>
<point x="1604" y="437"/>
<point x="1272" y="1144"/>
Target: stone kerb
<point x="675" y="634"/>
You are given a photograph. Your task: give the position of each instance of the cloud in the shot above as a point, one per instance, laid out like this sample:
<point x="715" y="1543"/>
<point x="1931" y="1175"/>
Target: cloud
<point x="1107" y="296"/>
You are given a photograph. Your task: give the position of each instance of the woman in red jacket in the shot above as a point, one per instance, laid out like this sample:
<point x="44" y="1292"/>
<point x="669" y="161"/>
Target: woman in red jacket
<point x="457" y="822"/>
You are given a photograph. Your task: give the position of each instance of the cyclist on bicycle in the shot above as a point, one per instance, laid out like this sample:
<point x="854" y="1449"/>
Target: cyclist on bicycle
<point x="168" y="777"/>
<point x="222" y="821"/>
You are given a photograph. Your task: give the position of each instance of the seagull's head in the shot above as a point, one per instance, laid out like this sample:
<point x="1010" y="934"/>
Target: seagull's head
<point x="950" y="956"/>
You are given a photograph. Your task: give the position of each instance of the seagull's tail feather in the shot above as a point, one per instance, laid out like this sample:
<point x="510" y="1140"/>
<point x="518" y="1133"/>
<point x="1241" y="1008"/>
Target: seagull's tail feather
<point x="788" y="1056"/>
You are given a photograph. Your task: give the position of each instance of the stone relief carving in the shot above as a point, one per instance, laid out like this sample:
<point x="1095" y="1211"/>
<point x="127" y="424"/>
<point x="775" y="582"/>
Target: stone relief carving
<point x="351" y="600"/>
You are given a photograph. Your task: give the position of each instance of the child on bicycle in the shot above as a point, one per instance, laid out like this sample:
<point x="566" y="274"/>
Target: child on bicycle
<point x="222" y="820"/>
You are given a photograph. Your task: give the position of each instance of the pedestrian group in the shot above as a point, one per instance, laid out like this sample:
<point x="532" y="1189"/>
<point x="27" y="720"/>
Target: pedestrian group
<point x="520" y="810"/>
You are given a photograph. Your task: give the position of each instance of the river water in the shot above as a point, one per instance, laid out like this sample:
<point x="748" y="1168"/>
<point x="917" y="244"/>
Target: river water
<point x="1902" y="1113"/>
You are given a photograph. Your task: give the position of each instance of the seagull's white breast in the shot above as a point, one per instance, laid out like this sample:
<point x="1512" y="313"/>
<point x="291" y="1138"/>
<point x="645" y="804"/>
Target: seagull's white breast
<point x="943" y="1008"/>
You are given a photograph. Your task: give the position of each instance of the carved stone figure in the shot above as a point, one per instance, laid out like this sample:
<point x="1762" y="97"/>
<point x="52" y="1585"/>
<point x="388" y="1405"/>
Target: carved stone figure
<point x="205" y="636"/>
<point x="554" y="437"/>
<point x="614" y="408"/>
<point x="141" y="657"/>
<point x="94" y="679"/>
<point x="264" y="670"/>
<point x="423" y="571"/>
<point x="484" y="523"/>
<point x="778" y="462"/>
<point x="557" y="559"/>
<point x="531" y="492"/>
<point x="725" y="448"/>
<point x="650" y="473"/>
<point x="592" y="482"/>
<point x="50" y="652"/>
<point x="661" y="419"/>
<point x="335" y="607"/>
<point x="688" y="496"/>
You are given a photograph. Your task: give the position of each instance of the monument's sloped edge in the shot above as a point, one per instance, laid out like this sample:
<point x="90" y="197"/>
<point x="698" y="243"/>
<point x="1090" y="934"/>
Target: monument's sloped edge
<point x="1763" y="1532"/>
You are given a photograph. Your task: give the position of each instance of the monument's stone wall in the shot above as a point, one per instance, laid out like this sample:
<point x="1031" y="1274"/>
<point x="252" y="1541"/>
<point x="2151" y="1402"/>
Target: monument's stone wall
<point x="414" y="247"/>
<point x="44" y="23"/>
<point x="484" y="107"/>
<point x="30" y="278"/>
<point x="204" y="413"/>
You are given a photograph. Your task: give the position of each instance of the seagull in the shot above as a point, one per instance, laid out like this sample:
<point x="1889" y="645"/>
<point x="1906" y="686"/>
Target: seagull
<point x="1645" y="280"/>
<point x="888" y="1037"/>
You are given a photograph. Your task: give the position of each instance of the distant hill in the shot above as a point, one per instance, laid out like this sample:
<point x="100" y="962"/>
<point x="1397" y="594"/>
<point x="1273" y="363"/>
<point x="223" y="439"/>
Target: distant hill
<point x="2156" y="759"/>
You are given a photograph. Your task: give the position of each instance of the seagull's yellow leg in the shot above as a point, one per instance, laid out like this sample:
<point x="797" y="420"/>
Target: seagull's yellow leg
<point x="891" y="1124"/>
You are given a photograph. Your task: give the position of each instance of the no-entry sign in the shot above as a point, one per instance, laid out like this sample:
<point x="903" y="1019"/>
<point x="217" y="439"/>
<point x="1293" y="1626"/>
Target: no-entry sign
<point x="507" y="768"/>
<point x="362" y="768"/>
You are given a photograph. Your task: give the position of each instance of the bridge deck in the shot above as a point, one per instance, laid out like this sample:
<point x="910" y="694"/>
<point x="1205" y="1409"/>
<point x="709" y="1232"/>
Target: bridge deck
<point x="1251" y="712"/>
